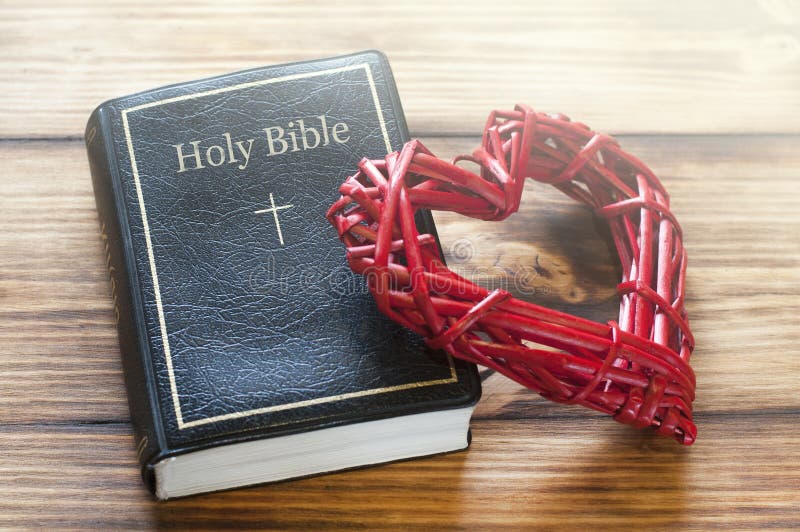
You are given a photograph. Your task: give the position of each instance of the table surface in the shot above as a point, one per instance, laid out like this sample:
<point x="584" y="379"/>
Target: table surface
<point x="707" y="93"/>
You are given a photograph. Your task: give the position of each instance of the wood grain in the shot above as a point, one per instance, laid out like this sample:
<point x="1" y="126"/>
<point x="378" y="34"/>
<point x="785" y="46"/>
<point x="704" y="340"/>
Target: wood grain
<point x="622" y="66"/>
<point x="67" y="457"/>
<point x="519" y="473"/>
<point x="57" y="323"/>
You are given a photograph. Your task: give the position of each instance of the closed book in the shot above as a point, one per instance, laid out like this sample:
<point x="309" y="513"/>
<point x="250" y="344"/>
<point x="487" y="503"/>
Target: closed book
<point x="251" y="353"/>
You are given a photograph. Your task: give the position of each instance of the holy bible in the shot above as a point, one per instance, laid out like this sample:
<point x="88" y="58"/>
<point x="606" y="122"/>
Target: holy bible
<point x="251" y="353"/>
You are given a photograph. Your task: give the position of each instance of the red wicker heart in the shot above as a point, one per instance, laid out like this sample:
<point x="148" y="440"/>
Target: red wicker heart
<point x="636" y="369"/>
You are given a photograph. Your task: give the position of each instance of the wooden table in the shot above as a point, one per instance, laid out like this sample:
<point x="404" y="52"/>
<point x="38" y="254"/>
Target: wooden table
<point x="708" y="93"/>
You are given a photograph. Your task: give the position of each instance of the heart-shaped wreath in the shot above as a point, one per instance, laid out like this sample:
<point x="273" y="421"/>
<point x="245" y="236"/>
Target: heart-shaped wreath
<point x="636" y="369"/>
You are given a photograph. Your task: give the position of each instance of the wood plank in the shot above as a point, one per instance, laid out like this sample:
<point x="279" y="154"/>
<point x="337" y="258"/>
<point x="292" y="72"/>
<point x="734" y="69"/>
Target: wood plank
<point x="744" y="473"/>
<point x="621" y="66"/>
<point x="735" y="196"/>
<point x="625" y="67"/>
<point x="60" y="354"/>
<point x="736" y="199"/>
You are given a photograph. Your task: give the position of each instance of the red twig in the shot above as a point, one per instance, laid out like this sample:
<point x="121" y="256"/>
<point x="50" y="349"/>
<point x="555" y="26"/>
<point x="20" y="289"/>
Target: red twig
<point x="636" y="369"/>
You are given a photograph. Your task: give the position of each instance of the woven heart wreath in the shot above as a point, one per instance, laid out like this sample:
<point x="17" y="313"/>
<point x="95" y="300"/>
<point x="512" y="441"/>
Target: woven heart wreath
<point x="636" y="369"/>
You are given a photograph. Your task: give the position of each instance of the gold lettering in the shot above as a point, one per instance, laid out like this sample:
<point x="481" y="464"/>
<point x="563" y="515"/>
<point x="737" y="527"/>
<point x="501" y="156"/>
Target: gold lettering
<point x="111" y="271"/>
<point x="271" y="140"/>
<point x="340" y="127"/>
<point x="245" y="152"/>
<point x="220" y="153"/>
<point x="229" y="141"/>
<point x="297" y="135"/>
<point x="198" y="161"/>
<point x="304" y="131"/>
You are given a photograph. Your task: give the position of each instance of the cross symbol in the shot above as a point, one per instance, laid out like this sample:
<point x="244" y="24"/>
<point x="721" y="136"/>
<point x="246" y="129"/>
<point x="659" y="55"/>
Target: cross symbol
<point x="274" y="210"/>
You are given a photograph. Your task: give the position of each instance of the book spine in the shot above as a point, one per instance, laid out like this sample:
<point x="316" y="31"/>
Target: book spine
<point x="134" y="348"/>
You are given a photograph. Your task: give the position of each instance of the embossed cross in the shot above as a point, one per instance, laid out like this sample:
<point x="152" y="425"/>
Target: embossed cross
<point x="274" y="210"/>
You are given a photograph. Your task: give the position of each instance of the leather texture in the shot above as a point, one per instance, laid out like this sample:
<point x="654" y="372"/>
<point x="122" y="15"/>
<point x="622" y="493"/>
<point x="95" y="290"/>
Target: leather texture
<point x="254" y="332"/>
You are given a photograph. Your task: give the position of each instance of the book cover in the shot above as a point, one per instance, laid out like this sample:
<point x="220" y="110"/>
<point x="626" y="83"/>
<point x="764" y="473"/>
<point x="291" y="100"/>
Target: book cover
<point x="238" y="317"/>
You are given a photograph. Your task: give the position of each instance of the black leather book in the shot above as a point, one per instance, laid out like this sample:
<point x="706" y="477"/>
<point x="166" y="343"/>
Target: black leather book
<point x="251" y="353"/>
